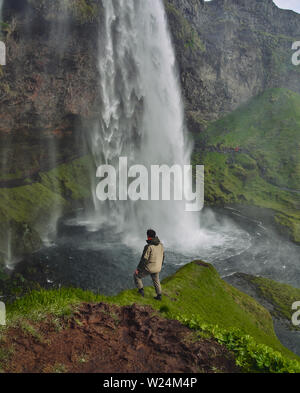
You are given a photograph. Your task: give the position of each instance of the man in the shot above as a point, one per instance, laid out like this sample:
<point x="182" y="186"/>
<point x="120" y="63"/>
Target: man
<point x="151" y="264"/>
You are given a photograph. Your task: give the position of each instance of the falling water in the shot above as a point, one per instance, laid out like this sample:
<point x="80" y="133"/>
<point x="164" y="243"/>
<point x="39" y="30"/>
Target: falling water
<point x="142" y="118"/>
<point x="141" y="113"/>
<point x="59" y="27"/>
<point x="59" y="37"/>
<point x="6" y="242"/>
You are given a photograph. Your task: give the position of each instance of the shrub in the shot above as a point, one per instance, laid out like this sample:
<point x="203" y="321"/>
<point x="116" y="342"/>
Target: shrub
<point x="249" y="355"/>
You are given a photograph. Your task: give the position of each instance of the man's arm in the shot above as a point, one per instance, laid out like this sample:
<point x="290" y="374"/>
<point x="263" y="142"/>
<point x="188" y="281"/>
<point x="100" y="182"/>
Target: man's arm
<point x="144" y="258"/>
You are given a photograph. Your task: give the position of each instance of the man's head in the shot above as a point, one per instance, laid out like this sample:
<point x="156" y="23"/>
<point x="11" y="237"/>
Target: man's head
<point x="151" y="234"/>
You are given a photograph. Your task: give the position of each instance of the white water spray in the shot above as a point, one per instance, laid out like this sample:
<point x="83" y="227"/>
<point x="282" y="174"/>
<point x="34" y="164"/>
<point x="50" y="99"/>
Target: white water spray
<point x="142" y="118"/>
<point x="142" y="114"/>
<point x="7" y="252"/>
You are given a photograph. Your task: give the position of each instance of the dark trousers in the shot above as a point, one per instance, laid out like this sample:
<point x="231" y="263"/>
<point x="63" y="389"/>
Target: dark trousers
<point x="155" y="278"/>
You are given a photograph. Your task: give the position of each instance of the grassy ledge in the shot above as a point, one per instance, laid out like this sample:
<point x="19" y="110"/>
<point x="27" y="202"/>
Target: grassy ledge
<point x="195" y="295"/>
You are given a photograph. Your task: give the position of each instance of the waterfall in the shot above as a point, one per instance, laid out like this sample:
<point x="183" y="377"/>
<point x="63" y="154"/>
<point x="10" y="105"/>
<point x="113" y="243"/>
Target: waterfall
<point x="6" y="242"/>
<point x="59" y="28"/>
<point x="141" y="116"/>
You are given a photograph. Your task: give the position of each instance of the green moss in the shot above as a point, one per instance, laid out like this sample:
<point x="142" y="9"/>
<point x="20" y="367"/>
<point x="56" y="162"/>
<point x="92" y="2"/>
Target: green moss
<point x="26" y="211"/>
<point x="70" y="180"/>
<point x="184" y="32"/>
<point x="24" y="204"/>
<point x="83" y="11"/>
<point x="252" y="156"/>
<point x="281" y="296"/>
<point x="57" y="187"/>
<point x="196" y="289"/>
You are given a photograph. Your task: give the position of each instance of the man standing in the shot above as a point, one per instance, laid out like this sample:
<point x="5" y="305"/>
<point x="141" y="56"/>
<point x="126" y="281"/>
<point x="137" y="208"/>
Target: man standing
<point x="151" y="264"/>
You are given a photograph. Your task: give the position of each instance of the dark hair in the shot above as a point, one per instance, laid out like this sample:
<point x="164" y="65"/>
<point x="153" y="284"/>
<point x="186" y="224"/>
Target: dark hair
<point x="151" y="233"/>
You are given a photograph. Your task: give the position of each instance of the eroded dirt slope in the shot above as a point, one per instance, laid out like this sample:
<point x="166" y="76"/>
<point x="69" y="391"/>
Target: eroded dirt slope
<point x="107" y="338"/>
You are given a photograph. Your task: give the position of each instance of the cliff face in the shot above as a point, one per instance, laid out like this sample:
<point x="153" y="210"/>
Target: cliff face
<point x="48" y="86"/>
<point x="246" y="49"/>
<point x="237" y="54"/>
<point x="47" y="90"/>
<point x="227" y="52"/>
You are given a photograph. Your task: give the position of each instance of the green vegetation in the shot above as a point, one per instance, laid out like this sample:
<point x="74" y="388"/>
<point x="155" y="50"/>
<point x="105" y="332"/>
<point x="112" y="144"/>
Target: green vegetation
<point x="280" y="57"/>
<point x="59" y="368"/>
<point x="195" y="292"/>
<point x="25" y="211"/>
<point x="70" y="180"/>
<point x="249" y="355"/>
<point x="252" y="157"/>
<point x="5" y="356"/>
<point x="58" y="187"/>
<point x="184" y="32"/>
<point x="280" y="295"/>
<point x="83" y="11"/>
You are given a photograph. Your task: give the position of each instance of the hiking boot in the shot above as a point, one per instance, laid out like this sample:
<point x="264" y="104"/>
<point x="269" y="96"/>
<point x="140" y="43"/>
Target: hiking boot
<point x="141" y="292"/>
<point x="158" y="297"/>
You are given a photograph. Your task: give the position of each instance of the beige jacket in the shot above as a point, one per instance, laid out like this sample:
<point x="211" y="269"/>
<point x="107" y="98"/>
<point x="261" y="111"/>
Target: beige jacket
<point x="153" y="257"/>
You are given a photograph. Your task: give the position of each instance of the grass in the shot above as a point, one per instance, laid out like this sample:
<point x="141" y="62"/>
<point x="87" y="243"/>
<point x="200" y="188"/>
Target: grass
<point x="280" y="295"/>
<point x="30" y="330"/>
<point x="265" y="169"/>
<point x="197" y="288"/>
<point x="5" y="355"/>
<point x="59" y="368"/>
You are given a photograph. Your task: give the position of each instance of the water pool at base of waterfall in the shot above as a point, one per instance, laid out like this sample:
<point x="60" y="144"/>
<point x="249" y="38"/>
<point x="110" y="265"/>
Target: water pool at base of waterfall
<point x="101" y="261"/>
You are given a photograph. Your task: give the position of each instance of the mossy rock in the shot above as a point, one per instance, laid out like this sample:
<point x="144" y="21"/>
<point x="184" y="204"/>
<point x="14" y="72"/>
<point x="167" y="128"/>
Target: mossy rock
<point x="82" y="11"/>
<point x="251" y="156"/>
<point x="29" y="211"/>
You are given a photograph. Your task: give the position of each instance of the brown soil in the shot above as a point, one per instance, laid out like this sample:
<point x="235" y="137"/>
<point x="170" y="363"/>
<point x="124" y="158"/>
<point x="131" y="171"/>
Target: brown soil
<point x="107" y="339"/>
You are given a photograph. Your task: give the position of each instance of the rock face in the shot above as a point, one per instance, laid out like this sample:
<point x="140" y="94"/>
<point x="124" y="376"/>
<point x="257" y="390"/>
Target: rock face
<point x="48" y="86"/>
<point x="227" y="51"/>
<point x="245" y="49"/>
